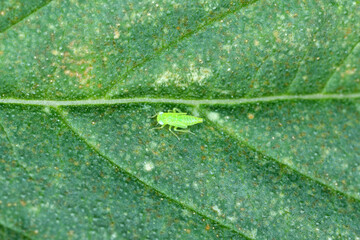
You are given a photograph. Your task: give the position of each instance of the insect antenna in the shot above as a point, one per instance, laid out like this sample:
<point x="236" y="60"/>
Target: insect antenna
<point x="154" y="115"/>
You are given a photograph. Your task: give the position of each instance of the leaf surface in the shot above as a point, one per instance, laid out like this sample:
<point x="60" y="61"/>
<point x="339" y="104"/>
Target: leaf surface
<point x="277" y="83"/>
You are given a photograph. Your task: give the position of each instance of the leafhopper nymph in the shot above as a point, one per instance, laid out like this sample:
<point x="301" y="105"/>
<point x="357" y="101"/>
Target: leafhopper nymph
<point x="176" y="119"/>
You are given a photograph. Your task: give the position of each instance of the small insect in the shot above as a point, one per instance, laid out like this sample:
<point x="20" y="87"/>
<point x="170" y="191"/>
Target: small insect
<point x="176" y="119"/>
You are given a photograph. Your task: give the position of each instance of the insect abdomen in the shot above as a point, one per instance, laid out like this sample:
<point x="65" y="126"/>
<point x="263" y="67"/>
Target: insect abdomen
<point x="178" y="120"/>
<point x="189" y="120"/>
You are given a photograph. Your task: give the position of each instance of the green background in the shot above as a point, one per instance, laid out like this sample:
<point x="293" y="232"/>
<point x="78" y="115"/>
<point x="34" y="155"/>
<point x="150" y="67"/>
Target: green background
<point x="278" y="86"/>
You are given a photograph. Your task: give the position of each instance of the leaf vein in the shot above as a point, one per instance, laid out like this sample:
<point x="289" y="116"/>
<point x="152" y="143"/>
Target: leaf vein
<point x="176" y="41"/>
<point x="194" y="102"/>
<point x="295" y="171"/>
<point x="146" y="185"/>
<point x="15" y="230"/>
<point x="339" y="66"/>
<point x="24" y="17"/>
<point x="16" y="155"/>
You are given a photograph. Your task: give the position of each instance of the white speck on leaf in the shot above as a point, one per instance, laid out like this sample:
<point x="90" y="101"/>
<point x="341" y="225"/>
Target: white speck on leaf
<point x="166" y="77"/>
<point x="198" y="75"/>
<point x="217" y="210"/>
<point x="116" y="34"/>
<point x="148" y="166"/>
<point x="47" y="109"/>
<point x="213" y="116"/>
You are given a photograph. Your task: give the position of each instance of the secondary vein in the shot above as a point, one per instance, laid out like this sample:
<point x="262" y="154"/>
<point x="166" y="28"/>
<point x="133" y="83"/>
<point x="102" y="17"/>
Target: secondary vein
<point x="142" y="182"/>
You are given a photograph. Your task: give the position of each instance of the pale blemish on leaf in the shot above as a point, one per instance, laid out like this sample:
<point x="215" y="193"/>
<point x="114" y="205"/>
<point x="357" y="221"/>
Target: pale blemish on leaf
<point x="213" y="116"/>
<point x="276" y="35"/>
<point x="74" y="65"/>
<point x="194" y="75"/>
<point x="232" y="218"/>
<point x="55" y="52"/>
<point x="357" y="105"/>
<point x="116" y="34"/>
<point x="198" y="75"/>
<point x="195" y="112"/>
<point x="195" y="185"/>
<point x="79" y="50"/>
<point x="253" y="233"/>
<point x="217" y="210"/>
<point x="250" y="116"/>
<point x="349" y="71"/>
<point x="288" y="161"/>
<point x="166" y="78"/>
<point x="47" y="109"/>
<point x="148" y="166"/>
<point x="227" y="48"/>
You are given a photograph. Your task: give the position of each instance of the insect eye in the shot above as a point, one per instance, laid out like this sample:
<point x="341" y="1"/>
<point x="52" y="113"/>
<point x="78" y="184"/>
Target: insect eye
<point x="160" y="122"/>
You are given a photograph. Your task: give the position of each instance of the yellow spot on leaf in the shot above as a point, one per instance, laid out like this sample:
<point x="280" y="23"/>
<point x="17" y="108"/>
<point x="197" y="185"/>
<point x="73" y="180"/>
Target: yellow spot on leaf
<point x="116" y="34"/>
<point x="55" y="52"/>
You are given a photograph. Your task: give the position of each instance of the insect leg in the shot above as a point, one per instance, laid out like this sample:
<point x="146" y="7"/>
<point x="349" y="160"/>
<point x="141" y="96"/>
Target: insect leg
<point x="158" y="127"/>
<point x="177" y="110"/>
<point x="183" y="130"/>
<point x="173" y="133"/>
<point x="153" y="116"/>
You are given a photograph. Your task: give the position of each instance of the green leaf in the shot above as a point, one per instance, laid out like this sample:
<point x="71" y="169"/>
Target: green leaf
<point x="276" y="82"/>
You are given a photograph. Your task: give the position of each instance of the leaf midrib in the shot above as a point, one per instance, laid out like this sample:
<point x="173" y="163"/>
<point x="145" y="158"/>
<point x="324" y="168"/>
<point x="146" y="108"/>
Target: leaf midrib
<point x="193" y="102"/>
